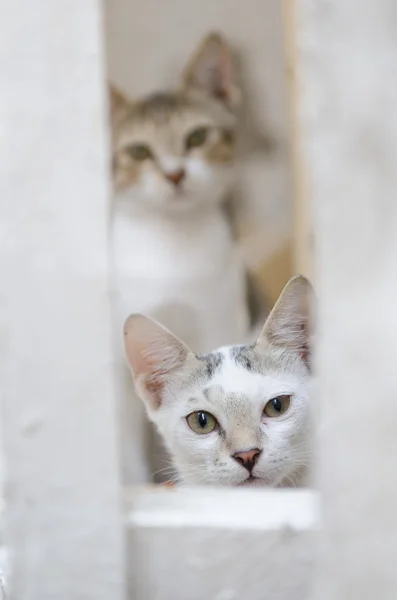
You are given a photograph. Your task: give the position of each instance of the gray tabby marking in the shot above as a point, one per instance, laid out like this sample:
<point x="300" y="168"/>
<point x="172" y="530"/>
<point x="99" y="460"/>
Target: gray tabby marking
<point x="212" y="362"/>
<point x="244" y="357"/>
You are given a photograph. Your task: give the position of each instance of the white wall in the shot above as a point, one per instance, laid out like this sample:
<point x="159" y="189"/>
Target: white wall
<point x="349" y="89"/>
<point x="57" y="380"/>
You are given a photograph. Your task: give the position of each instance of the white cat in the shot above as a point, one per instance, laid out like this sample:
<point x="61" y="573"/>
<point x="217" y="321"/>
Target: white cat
<point x="173" y="252"/>
<point x="239" y="415"/>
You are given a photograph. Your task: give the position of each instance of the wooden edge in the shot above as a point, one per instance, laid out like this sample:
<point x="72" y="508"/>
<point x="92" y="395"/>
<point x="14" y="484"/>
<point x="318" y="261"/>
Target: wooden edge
<point x="302" y="234"/>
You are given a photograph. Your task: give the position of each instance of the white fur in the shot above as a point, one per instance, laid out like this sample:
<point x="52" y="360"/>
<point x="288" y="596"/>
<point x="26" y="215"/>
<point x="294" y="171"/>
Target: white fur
<point x="173" y="258"/>
<point x="234" y="384"/>
<point x="236" y="397"/>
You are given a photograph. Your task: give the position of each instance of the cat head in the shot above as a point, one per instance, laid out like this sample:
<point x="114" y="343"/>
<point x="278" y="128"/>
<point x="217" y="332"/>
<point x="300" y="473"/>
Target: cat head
<point x="239" y="415"/>
<point x="175" y="150"/>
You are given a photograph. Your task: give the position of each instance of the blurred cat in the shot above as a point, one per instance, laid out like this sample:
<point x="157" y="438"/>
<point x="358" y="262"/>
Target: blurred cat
<point x="173" y="253"/>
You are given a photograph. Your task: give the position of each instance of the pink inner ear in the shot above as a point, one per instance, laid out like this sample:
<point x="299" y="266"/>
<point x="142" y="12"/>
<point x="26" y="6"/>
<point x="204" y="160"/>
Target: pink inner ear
<point x="153" y="379"/>
<point x="305" y="348"/>
<point x="219" y="75"/>
<point x="155" y="387"/>
<point x="137" y="360"/>
<point x="153" y="354"/>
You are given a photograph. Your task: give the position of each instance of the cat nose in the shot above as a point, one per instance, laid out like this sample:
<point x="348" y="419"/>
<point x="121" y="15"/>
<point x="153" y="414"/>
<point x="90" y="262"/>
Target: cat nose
<point x="175" y="176"/>
<point x="247" y="459"/>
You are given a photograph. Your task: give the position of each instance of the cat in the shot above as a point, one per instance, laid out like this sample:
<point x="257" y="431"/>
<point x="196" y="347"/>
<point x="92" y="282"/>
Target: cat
<point x="237" y="416"/>
<point x="173" y="252"/>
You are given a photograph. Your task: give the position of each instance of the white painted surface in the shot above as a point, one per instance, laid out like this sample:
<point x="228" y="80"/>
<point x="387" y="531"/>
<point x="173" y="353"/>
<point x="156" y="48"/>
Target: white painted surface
<point x="57" y="380"/>
<point x="349" y="58"/>
<point x="4" y="568"/>
<point x="204" y="543"/>
<point x="221" y="508"/>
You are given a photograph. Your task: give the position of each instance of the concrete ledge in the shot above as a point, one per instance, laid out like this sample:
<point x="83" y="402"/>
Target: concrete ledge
<point x="217" y="544"/>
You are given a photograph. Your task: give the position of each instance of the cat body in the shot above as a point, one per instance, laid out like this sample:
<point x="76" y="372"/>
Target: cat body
<point x="173" y="252"/>
<point x="239" y="415"/>
<point x="183" y="264"/>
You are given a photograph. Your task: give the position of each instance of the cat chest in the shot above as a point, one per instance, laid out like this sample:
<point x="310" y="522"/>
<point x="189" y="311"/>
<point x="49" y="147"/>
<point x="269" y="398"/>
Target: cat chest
<point x="144" y="253"/>
<point x="194" y="284"/>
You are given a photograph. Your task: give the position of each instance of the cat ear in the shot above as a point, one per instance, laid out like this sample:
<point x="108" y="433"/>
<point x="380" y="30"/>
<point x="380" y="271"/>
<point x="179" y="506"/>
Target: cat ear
<point x="212" y="70"/>
<point x="118" y="104"/>
<point x="154" y="355"/>
<point x="290" y="323"/>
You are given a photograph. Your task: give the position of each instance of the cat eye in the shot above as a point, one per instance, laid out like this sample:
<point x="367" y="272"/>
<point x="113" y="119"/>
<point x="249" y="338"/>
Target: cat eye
<point x="201" y="422"/>
<point x="277" y="406"/>
<point x="139" y="152"/>
<point x="197" y="138"/>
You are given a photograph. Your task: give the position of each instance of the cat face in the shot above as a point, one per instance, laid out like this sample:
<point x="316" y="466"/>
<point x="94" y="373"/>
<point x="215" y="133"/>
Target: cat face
<point x="239" y="415"/>
<point x="176" y="150"/>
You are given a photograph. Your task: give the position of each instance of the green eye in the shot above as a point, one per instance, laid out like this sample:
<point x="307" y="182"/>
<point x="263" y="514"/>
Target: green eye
<point x="201" y="422"/>
<point x="277" y="406"/>
<point x="139" y="152"/>
<point x="197" y="138"/>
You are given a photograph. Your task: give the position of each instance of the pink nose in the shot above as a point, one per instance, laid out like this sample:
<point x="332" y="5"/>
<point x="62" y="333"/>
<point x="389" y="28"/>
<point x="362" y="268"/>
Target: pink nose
<point x="247" y="459"/>
<point x="175" y="176"/>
